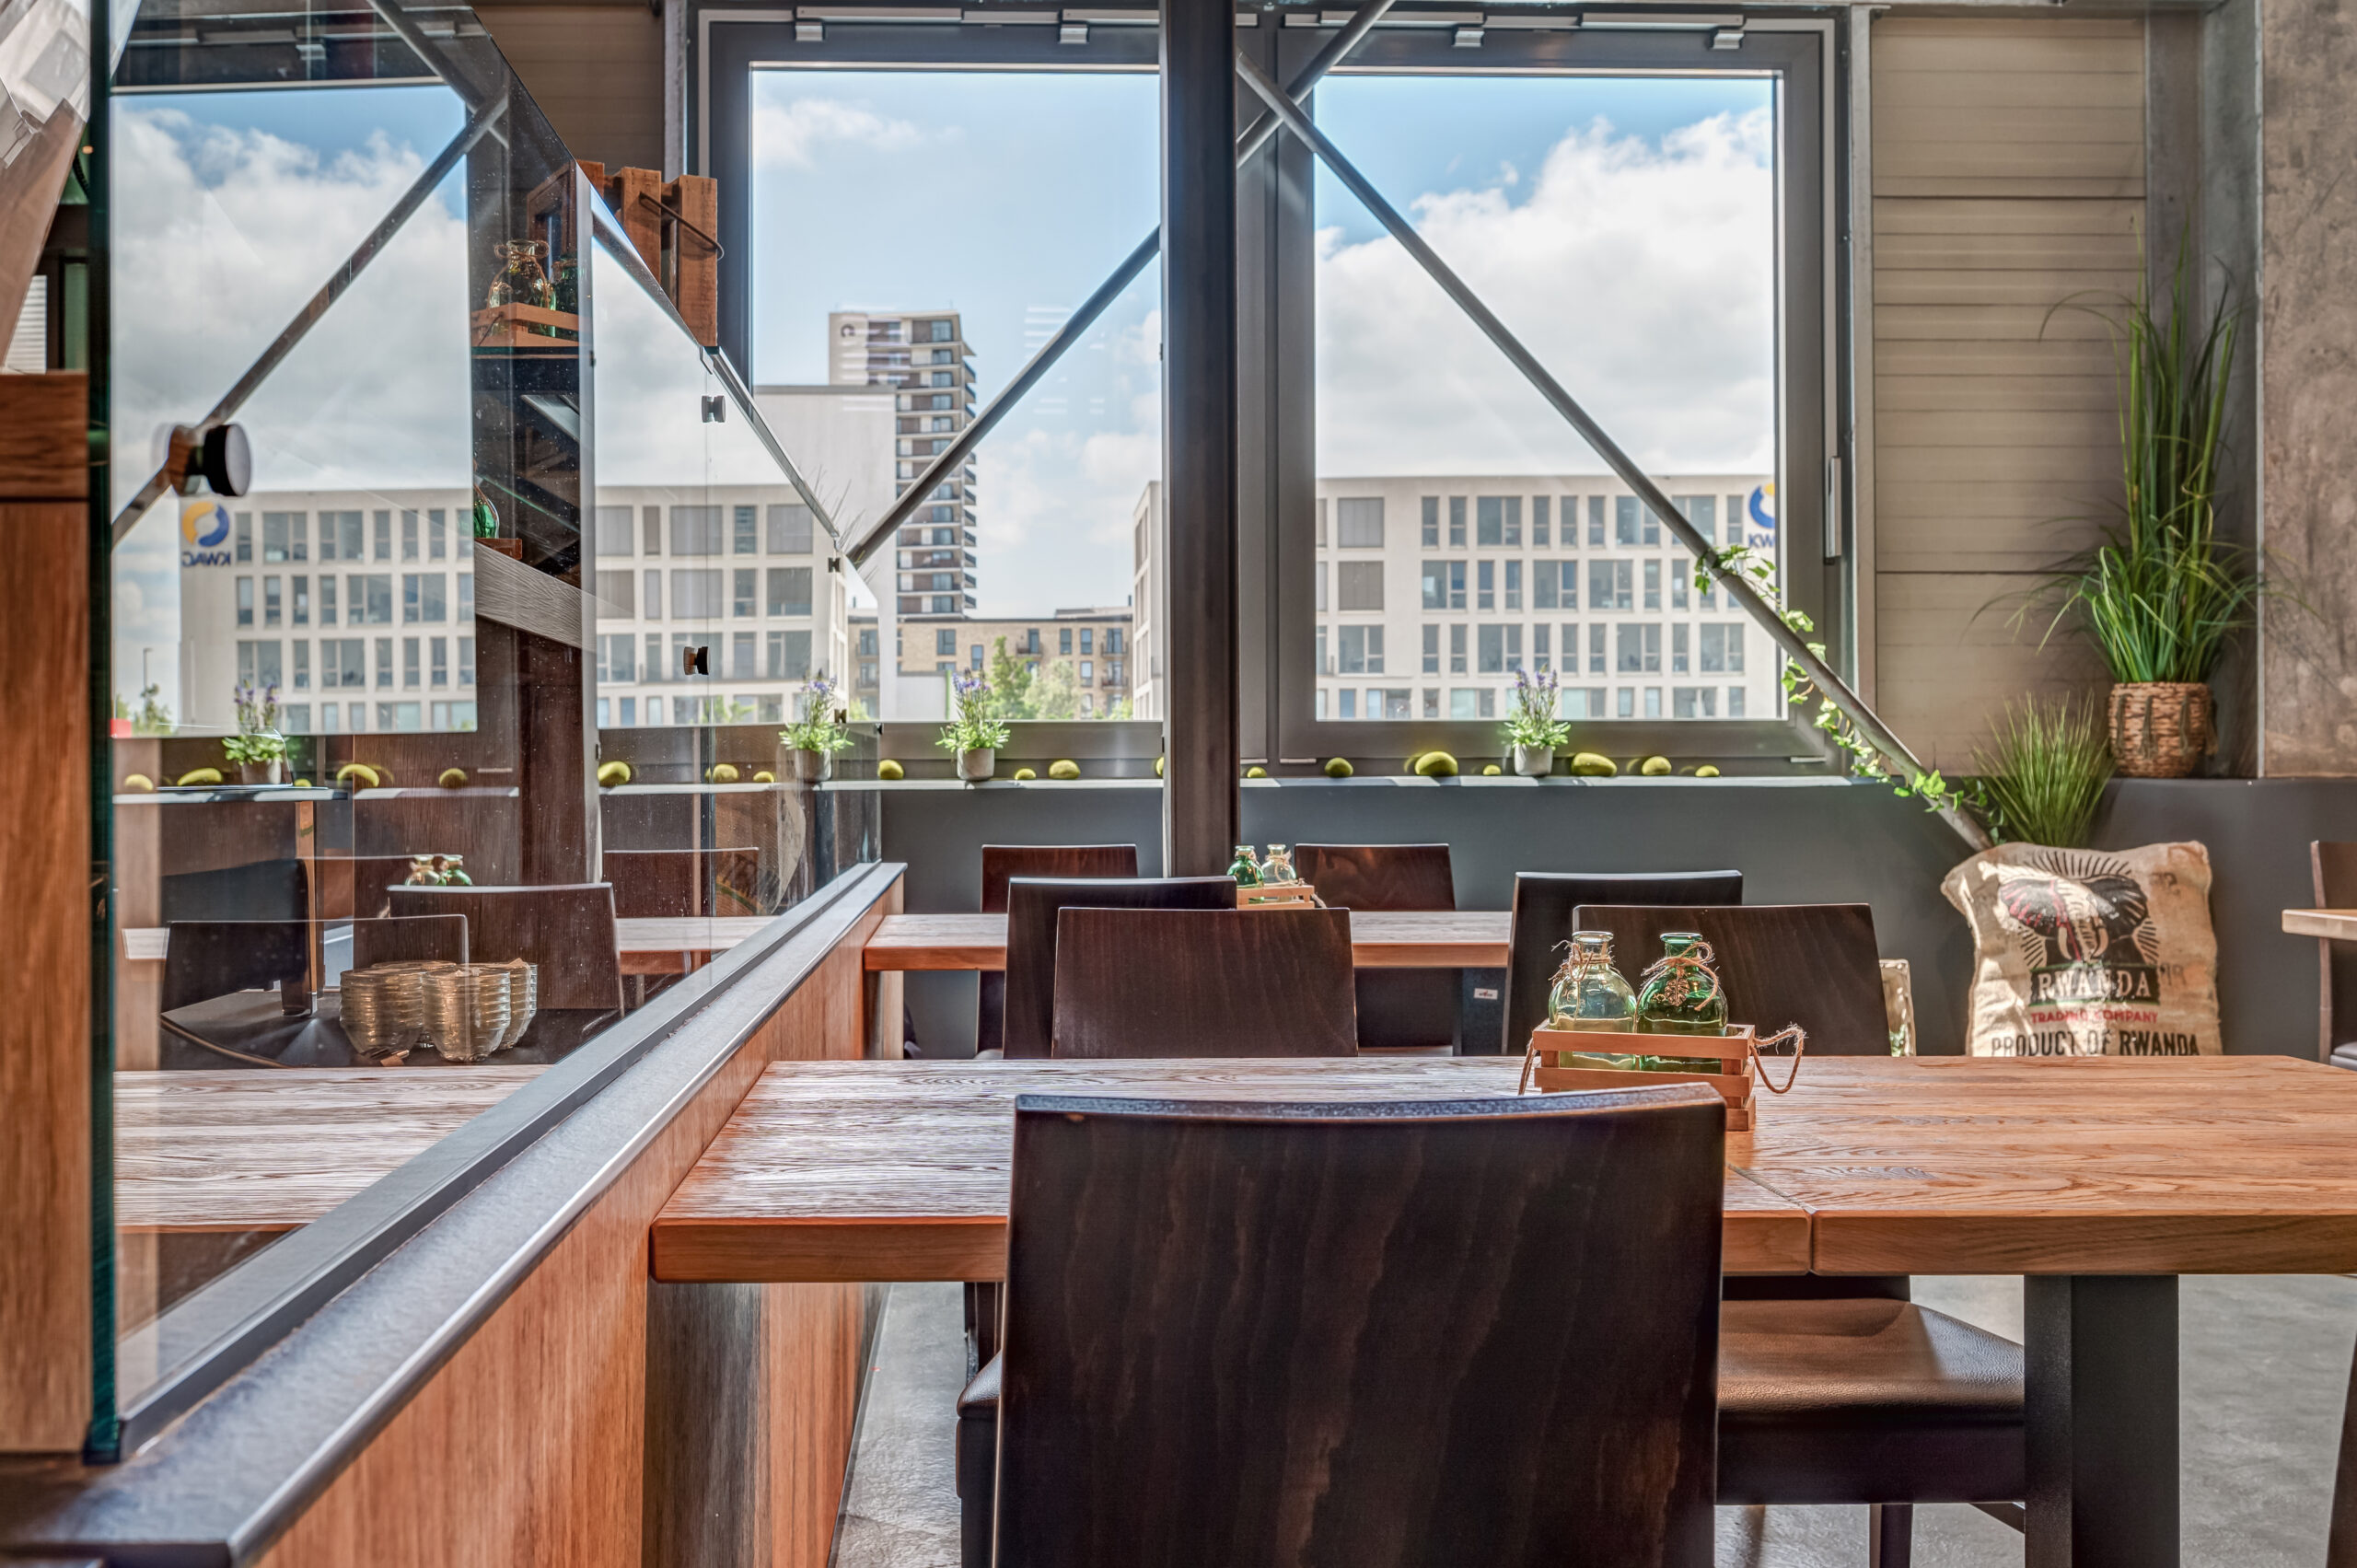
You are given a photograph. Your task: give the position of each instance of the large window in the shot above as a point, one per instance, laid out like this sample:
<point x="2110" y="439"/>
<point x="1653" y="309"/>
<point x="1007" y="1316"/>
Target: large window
<point x="920" y="229"/>
<point x="1646" y="214"/>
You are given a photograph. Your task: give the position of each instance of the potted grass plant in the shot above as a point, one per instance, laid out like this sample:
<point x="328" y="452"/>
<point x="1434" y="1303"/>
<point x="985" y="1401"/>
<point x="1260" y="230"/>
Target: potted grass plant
<point x="2160" y="594"/>
<point x="1532" y="727"/>
<point x="258" y="749"/>
<point x="823" y="730"/>
<point x="974" y="733"/>
<point x="2042" y="774"/>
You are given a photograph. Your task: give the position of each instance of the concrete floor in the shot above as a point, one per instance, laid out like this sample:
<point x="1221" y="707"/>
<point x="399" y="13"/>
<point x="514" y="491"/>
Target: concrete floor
<point x="2266" y="1366"/>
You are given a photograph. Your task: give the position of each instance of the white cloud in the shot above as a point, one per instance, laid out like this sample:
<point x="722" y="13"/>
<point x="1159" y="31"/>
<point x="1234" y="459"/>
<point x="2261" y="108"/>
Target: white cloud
<point x="791" y="133"/>
<point x="237" y="229"/>
<point x="1640" y="276"/>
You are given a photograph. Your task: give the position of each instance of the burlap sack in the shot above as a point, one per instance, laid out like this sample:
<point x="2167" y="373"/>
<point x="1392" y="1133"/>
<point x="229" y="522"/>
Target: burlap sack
<point x="2090" y="952"/>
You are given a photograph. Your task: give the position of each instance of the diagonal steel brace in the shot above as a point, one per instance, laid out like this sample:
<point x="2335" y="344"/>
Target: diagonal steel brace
<point x="1831" y="688"/>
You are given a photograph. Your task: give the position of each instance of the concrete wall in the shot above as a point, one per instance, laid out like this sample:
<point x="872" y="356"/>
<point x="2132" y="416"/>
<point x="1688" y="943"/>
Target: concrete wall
<point x="1795" y="841"/>
<point x="2308" y="375"/>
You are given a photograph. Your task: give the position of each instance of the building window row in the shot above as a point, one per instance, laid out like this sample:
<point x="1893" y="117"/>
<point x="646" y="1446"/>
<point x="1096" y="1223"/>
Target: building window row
<point x="781" y="528"/>
<point x="1574" y="702"/>
<point x="366" y="600"/>
<point x="342" y="662"/>
<point x="423" y="534"/>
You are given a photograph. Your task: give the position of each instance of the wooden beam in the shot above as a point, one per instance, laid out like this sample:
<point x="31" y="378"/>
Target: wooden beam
<point x="45" y="1296"/>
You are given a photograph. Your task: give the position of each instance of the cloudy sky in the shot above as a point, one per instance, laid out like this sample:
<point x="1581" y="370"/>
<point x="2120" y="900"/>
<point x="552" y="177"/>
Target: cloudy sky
<point x="1622" y="225"/>
<point x="248" y="201"/>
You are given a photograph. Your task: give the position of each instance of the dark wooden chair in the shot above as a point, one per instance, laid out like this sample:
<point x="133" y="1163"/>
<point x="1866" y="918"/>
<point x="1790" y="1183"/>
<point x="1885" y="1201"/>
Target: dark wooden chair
<point x="408" y="939"/>
<point x="205" y="958"/>
<point x="1838" y="1390"/>
<point x="1398" y="1009"/>
<point x="1543" y="902"/>
<point x="2334" y="868"/>
<point x="1032" y="903"/>
<point x="693" y="884"/>
<point x="1203" y="982"/>
<point x="1001" y="864"/>
<point x="1815" y="965"/>
<point x="1429" y="1336"/>
<point x="568" y="930"/>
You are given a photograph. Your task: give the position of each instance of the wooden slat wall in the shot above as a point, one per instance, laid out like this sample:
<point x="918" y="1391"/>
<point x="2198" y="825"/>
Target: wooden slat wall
<point x="528" y="1446"/>
<point x="2008" y="168"/>
<point x="45" y="885"/>
<point x="596" y="71"/>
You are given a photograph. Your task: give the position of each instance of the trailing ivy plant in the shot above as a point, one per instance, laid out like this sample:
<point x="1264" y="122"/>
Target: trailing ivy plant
<point x="1866" y="760"/>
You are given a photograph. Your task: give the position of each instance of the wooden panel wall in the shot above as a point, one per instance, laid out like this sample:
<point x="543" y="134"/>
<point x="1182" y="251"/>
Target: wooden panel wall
<point x="596" y="71"/>
<point x="527" y="1448"/>
<point x="45" y="885"/>
<point x="2008" y="169"/>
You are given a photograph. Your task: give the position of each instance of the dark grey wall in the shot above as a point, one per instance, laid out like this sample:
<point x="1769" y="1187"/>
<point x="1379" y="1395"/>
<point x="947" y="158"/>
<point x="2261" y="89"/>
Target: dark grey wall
<point x="1796" y="841"/>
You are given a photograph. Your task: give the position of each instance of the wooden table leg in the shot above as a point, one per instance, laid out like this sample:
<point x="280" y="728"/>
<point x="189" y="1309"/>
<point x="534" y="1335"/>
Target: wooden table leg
<point x="2102" y="1360"/>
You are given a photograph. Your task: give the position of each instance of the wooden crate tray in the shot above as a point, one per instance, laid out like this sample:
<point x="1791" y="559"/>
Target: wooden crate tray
<point x="1734" y="1047"/>
<point x="1277" y="896"/>
<point x="509" y="326"/>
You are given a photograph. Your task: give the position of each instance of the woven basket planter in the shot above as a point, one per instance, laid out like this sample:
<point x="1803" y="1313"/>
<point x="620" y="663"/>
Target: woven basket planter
<point x="2161" y="730"/>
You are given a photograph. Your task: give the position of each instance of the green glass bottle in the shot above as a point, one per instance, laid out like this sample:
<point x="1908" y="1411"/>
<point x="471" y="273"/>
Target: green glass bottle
<point x="1682" y="996"/>
<point x="1242" y="868"/>
<point x="486" y="519"/>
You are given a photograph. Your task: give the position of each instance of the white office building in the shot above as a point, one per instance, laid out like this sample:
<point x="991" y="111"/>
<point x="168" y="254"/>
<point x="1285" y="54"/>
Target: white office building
<point x="1433" y="590"/>
<point x="359" y="607"/>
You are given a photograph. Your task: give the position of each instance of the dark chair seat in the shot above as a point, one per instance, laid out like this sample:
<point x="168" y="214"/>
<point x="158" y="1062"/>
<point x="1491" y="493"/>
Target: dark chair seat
<point x="1866" y="1400"/>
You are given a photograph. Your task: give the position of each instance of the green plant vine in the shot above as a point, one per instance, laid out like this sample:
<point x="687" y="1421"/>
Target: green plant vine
<point x="1866" y="760"/>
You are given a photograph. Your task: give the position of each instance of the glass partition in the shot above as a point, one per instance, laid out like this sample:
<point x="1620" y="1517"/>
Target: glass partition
<point x="451" y="738"/>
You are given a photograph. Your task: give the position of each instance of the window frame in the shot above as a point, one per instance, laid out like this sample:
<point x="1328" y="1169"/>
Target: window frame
<point x="1279" y="709"/>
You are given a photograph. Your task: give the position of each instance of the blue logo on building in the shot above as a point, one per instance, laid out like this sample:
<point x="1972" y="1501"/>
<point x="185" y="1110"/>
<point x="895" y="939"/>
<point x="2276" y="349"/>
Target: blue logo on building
<point x="205" y="526"/>
<point x="1759" y="518"/>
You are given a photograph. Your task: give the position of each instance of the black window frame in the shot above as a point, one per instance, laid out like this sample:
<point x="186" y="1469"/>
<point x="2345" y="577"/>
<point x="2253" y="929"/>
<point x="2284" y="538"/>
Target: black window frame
<point x="1278" y="708"/>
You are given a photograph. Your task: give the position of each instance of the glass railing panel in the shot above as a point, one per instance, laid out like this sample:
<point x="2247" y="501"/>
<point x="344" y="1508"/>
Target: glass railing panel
<point x="358" y="897"/>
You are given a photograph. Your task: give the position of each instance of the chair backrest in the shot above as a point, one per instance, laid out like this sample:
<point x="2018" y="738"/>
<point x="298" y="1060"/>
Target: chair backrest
<point x="1398" y="1008"/>
<point x="1426" y="1336"/>
<point x="2335" y="869"/>
<point x="566" y="929"/>
<point x="262" y="889"/>
<point x="657" y="884"/>
<point x="1203" y="982"/>
<point x="204" y="958"/>
<point x="1031" y="906"/>
<point x="1543" y="902"/>
<point x="1815" y="965"/>
<point x="374" y="877"/>
<point x="408" y="939"/>
<point x="1001" y="864"/>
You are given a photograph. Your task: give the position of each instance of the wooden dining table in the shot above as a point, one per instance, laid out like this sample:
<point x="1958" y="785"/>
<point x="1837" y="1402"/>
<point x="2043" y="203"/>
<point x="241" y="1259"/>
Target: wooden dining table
<point x="2101" y="1179"/>
<point x="1395" y="939"/>
<point x="2333" y="925"/>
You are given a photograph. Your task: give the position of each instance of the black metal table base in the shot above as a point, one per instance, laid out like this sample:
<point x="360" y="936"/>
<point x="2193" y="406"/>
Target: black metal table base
<point x="2102" y="1396"/>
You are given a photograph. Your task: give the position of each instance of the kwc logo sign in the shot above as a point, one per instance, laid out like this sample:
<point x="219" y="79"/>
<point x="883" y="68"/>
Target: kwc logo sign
<point x="204" y="528"/>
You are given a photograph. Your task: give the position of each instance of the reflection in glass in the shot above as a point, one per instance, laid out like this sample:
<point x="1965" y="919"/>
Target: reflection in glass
<point x="1625" y="229"/>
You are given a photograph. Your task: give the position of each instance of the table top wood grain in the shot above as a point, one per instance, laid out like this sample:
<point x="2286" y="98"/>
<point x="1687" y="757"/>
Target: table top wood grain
<point x="1380" y="939"/>
<point x="897" y="1170"/>
<point x="251" y="1150"/>
<point x="2075" y="1164"/>
<point x="644" y="933"/>
<point x="2227" y="1164"/>
<point x="2333" y="925"/>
